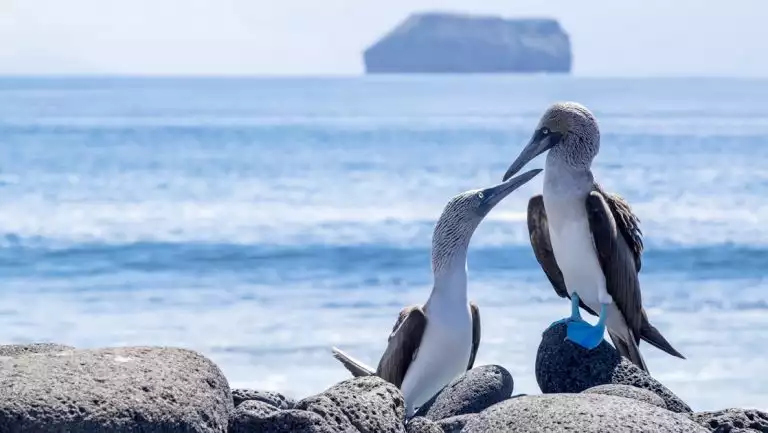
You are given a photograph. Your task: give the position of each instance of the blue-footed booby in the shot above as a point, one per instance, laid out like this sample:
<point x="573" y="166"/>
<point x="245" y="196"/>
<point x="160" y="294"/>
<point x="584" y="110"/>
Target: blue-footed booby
<point x="587" y="241"/>
<point x="431" y="345"/>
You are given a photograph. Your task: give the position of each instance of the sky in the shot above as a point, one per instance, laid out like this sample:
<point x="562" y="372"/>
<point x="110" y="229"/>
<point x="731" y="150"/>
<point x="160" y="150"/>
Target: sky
<point x="326" y="37"/>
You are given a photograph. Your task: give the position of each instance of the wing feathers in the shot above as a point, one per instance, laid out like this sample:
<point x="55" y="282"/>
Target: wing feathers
<point x="403" y="344"/>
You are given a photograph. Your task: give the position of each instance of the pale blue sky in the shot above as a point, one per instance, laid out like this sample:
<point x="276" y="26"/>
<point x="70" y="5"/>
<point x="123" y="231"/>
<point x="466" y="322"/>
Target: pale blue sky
<point x="609" y="37"/>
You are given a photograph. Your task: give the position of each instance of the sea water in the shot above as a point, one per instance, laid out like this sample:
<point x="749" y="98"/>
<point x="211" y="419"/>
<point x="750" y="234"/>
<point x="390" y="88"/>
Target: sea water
<point x="261" y="221"/>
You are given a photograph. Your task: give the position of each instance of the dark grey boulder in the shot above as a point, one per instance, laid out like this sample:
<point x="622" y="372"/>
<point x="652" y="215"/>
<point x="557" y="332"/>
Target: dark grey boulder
<point x="456" y="423"/>
<point x="471" y="392"/>
<point x="564" y="367"/>
<point x="422" y="425"/>
<point x="628" y="391"/>
<point x="359" y="405"/>
<point x="26" y="349"/>
<point x="269" y="397"/>
<point x="583" y="413"/>
<point x="733" y="420"/>
<point x="282" y="421"/>
<point x="248" y="415"/>
<point x="113" y="390"/>
<point x="363" y="404"/>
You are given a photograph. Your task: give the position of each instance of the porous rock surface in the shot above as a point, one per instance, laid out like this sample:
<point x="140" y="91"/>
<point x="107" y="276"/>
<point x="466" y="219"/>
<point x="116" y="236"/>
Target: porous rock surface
<point x="422" y="425"/>
<point x="628" y="391"/>
<point x="128" y="389"/>
<point x="269" y="397"/>
<point x="456" y="423"/>
<point x="564" y="367"/>
<point x="471" y="392"/>
<point x="359" y="405"/>
<point x="733" y="420"/>
<point x="584" y="413"/>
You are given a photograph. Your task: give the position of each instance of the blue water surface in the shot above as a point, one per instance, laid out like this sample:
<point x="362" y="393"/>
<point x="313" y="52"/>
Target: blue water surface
<point x="261" y="221"/>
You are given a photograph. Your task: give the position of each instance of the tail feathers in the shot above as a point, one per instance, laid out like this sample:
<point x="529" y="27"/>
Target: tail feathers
<point x="650" y="334"/>
<point x="354" y="366"/>
<point x="629" y="349"/>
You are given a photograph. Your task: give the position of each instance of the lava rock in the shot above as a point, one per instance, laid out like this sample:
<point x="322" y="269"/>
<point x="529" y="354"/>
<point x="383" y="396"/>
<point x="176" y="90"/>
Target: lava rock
<point x="282" y="421"/>
<point x="733" y="420"/>
<point x="471" y="392"/>
<point x="628" y="391"/>
<point x="359" y="405"/>
<point x="422" y="425"/>
<point x="565" y="367"/>
<point x="456" y="423"/>
<point x="113" y="390"/>
<point x="366" y="404"/>
<point x="586" y="413"/>
<point x="26" y="349"/>
<point x="248" y="416"/>
<point x="269" y="397"/>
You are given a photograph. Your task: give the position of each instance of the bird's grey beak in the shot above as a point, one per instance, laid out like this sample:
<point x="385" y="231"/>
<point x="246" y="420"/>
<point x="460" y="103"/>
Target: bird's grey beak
<point x="493" y="195"/>
<point x="538" y="144"/>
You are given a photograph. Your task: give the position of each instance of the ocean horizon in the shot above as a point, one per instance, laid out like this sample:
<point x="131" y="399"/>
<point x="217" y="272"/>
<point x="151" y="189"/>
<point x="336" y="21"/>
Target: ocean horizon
<point x="261" y="221"/>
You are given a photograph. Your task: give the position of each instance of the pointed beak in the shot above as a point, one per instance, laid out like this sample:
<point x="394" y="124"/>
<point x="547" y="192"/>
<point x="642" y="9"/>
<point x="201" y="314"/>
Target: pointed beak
<point x="495" y="194"/>
<point x="538" y="144"/>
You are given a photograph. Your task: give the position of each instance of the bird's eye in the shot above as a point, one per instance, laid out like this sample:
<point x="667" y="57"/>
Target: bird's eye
<point x="480" y="195"/>
<point x="544" y="131"/>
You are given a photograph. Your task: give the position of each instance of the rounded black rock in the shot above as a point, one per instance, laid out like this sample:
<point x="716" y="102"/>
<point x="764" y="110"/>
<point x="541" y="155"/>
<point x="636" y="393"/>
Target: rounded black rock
<point x="564" y="367"/>
<point x="471" y="392"/>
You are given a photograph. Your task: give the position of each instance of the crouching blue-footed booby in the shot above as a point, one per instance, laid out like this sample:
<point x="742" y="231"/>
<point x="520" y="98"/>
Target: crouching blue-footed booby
<point x="431" y="345"/>
<point x="587" y="241"/>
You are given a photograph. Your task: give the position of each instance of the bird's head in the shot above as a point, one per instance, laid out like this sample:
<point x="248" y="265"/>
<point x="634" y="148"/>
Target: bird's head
<point x="464" y="212"/>
<point x="569" y="131"/>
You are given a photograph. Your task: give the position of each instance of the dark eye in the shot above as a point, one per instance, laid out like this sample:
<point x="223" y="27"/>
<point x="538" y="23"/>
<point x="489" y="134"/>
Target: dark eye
<point x="480" y="195"/>
<point x="545" y="131"/>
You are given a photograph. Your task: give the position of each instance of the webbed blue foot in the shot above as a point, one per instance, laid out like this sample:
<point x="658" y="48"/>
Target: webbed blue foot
<point x="586" y="335"/>
<point x="575" y="314"/>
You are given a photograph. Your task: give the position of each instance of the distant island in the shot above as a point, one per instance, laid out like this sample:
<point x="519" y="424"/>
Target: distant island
<point x="458" y="43"/>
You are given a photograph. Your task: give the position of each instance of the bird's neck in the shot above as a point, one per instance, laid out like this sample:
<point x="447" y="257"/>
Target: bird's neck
<point x="562" y="179"/>
<point x="450" y="280"/>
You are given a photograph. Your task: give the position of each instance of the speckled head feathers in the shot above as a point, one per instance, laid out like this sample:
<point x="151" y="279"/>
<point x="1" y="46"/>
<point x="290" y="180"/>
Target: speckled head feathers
<point x="455" y="227"/>
<point x="578" y="126"/>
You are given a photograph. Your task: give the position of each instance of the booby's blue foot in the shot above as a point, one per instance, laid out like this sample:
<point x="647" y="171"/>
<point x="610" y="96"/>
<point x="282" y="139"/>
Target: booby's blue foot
<point x="586" y="335"/>
<point x="575" y="315"/>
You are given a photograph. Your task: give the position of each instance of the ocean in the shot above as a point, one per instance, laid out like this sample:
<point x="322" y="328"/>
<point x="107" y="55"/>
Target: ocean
<point x="262" y="220"/>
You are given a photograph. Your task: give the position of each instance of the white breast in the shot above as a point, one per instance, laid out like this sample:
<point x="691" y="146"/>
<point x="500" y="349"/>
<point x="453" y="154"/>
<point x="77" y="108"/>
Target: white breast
<point x="442" y="356"/>
<point x="574" y="247"/>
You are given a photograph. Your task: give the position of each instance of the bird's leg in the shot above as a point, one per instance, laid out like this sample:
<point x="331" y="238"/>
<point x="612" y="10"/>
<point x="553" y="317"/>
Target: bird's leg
<point x="586" y="335"/>
<point x="575" y="314"/>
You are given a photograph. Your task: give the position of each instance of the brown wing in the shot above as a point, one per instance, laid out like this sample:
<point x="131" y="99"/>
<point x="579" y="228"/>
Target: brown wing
<point x="619" y="257"/>
<point x="538" y="228"/>
<point x="403" y="343"/>
<point x="475" y="333"/>
<point x="627" y="223"/>
<point x="617" y="260"/>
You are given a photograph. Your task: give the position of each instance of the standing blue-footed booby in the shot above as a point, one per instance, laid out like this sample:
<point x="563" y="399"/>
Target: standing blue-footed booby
<point x="431" y="345"/>
<point x="587" y="241"/>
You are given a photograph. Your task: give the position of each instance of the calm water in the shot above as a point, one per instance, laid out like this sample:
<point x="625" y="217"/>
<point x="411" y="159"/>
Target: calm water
<point x="261" y="221"/>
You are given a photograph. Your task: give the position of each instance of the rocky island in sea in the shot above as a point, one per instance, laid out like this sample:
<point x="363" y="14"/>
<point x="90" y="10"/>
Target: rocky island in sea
<point x="458" y="43"/>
